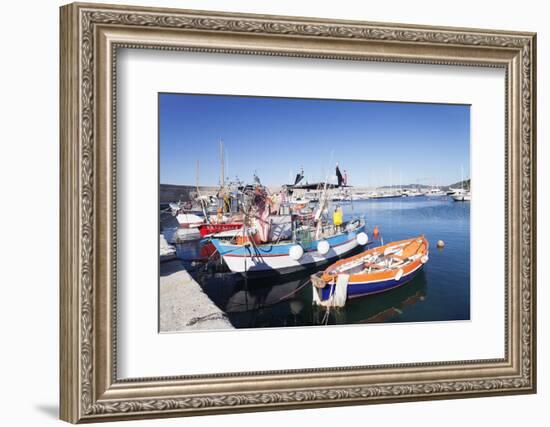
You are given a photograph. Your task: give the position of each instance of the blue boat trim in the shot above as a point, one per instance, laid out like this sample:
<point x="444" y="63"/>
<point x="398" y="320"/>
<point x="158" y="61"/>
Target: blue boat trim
<point x="269" y="250"/>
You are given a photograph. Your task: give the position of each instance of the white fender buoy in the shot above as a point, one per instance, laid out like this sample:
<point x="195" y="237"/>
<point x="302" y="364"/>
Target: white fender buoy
<point x="296" y="252"/>
<point x="424" y="259"/>
<point x="362" y="238"/>
<point x="323" y="247"/>
<point x="398" y="275"/>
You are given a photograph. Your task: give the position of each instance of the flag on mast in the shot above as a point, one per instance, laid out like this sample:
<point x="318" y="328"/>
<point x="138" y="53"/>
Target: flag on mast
<point x="339" y="176"/>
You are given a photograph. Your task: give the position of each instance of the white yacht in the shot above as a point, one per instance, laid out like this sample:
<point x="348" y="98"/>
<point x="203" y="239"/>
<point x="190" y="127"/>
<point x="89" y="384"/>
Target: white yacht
<point x="462" y="196"/>
<point x="411" y="193"/>
<point x="435" y="192"/>
<point x="359" y="196"/>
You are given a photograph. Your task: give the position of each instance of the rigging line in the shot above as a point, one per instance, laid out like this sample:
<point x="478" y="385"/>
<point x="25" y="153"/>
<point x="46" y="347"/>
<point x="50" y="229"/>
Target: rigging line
<point x="294" y="291"/>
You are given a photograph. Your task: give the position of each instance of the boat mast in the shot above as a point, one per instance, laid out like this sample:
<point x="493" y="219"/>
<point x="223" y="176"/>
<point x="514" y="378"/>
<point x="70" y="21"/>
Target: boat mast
<point x="222" y="164"/>
<point x="323" y="200"/>
<point x="197" y="175"/>
<point x="201" y="201"/>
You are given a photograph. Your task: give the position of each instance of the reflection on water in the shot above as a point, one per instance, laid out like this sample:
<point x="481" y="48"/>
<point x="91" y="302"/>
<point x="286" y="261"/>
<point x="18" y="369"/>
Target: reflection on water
<point x="440" y="292"/>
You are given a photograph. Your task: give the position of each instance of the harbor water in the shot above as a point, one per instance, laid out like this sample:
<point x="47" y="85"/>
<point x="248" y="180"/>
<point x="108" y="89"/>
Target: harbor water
<point x="441" y="292"/>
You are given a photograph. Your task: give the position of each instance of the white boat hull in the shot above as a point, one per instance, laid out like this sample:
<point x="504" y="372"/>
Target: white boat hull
<point x="462" y="197"/>
<point x="176" y="235"/>
<point x="189" y="220"/>
<point x="241" y="264"/>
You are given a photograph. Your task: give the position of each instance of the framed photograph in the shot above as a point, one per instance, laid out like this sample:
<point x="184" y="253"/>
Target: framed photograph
<point x="266" y="212"/>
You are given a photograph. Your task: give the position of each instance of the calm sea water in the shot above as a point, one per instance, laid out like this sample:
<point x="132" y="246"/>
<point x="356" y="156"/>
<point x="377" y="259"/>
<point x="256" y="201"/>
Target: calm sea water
<point x="440" y="292"/>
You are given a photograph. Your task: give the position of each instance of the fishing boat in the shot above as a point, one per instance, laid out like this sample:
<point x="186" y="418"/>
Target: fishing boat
<point x="280" y="236"/>
<point x="212" y="229"/>
<point x="174" y="235"/>
<point x="189" y="219"/>
<point x="373" y="271"/>
<point x="307" y="248"/>
<point x="188" y="226"/>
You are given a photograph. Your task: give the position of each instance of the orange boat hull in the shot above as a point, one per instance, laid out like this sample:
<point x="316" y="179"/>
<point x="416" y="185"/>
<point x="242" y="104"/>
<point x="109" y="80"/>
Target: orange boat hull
<point x="391" y="271"/>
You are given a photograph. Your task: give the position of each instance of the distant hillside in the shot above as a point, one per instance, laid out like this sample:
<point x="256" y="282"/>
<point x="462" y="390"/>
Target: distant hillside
<point x="426" y="187"/>
<point x="465" y="184"/>
<point x="407" y="186"/>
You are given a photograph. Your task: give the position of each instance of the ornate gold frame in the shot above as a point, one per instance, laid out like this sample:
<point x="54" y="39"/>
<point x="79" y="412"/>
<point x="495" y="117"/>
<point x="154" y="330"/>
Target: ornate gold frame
<point x="90" y="36"/>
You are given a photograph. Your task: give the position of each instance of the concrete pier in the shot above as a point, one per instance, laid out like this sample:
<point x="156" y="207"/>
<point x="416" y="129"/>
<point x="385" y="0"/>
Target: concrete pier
<point x="183" y="304"/>
<point x="167" y="252"/>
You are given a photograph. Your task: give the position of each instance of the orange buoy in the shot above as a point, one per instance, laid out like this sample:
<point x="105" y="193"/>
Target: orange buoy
<point x="375" y="232"/>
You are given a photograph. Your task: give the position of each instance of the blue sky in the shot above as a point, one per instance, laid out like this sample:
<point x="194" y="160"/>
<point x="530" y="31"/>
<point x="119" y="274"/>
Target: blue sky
<point x="377" y="143"/>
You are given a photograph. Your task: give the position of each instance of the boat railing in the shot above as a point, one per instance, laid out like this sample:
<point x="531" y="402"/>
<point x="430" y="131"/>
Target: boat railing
<point x="304" y="235"/>
<point x="310" y="232"/>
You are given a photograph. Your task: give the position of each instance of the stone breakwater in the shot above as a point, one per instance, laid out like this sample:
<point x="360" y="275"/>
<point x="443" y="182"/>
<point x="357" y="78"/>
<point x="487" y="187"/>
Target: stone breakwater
<point x="172" y="193"/>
